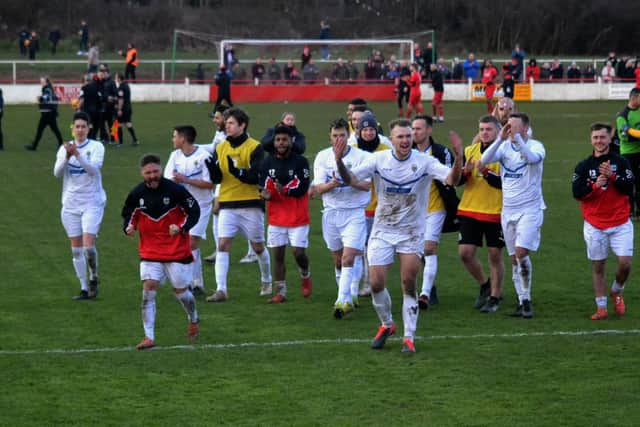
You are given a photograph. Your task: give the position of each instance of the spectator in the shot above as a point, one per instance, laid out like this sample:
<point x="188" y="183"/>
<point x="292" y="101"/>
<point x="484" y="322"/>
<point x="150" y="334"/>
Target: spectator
<point x="23" y="36"/>
<point x="1" y="113"/>
<point x="238" y="73"/>
<point x="533" y="70"/>
<point x="608" y="73"/>
<point x="573" y="73"/>
<point x="33" y="45"/>
<point x="84" y="38"/>
<point x="223" y="81"/>
<point x="378" y="59"/>
<point x="508" y="85"/>
<point x="257" y="71"/>
<point x="305" y="57"/>
<point x="620" y="67"/>
<point x="471" y="67"/>
<point x="458" y="70"/>
<point x="636" y="72"/>
<point x="353" y="70"/>
<point x="612" y="58"/>
<point x="274" y="71"/>
<point x="310" y="72"/>
<point x="629" y="70"/>
<point x="518" y="55"/>
<point x="199" y="74"/>
<point x="417" y="55"/>
<point x="557" y="70"/>
<point x="370" y="70"/>
<point x="428" y="57"/>
<point x="545" y="71"/>
<point x="514" y="69"/>
<point x="340" y="72"/>
<point x="325" y="31"/>
<point x="54" y="38"/>
<point x="229" y="58"/>
<point x="289" y="70"/>
<point x="589" y="73"/>
<point x="93" y="60"/>
<point x="130" y="62"/>
<point x="391" y="69"/>
<point x="443" y="69"/>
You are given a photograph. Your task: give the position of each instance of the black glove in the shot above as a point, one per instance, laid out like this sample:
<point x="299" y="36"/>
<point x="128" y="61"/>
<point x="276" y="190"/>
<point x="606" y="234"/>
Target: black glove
<point x="233" y="170"/>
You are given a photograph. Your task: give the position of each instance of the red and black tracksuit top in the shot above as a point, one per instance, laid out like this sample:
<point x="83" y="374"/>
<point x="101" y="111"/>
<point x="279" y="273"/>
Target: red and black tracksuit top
<point x="607" y="206"/>
<point x="152" y="211"/>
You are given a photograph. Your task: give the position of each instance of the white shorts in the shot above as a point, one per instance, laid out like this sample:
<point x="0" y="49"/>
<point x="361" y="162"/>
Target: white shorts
<point x="179" y="275"/>
<point x="344" y="228"/>
<point x="77" y="222"/>
<point x="619" y="238"/>
<point x="433" y="227"/>
<point x="380" y="252"/>
<point x="200" y="229"/>
<point x="522" y="229"/>
<point x="297" y="237"/>
<point x="248" y="221"/>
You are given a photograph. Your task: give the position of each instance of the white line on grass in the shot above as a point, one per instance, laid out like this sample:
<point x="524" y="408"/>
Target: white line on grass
<point x="319" y="342"/>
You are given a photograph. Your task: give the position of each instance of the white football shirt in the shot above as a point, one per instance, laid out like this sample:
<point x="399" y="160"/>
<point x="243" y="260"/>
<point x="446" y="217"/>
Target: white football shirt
<point x="81" y="176"/>
<point x="193" y="167"/>
<point x="344" y="196"/>
<point x="402" y="187"/>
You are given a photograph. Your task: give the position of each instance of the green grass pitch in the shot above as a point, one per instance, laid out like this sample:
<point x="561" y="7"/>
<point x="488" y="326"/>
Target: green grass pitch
<point x="64" y="362"/>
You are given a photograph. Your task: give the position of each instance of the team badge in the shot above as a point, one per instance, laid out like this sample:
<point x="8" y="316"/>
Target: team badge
<point x="141" y="201"/>
<point x="165" y="200"/>
<point x="414" y="168"/>
<point x="290" y="172"/>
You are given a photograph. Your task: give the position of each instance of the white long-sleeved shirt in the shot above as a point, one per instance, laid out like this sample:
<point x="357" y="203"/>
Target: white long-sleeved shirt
<point x="81" y="175"/>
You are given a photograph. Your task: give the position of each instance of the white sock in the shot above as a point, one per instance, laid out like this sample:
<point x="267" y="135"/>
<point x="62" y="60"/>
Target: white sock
<point x="91" y="257"/>
<point x="189" y="304"/>
<point x="338" y="274"/>
<point x="281" y="287"/>
<point x="517" y="281"/>
<point x="148" y="313"/>
<point x="80" y="266"/>
<point x="601" y="302"/>
<point x="382" y="305"/>
<point x="198" y="280"/>
<point x="264" y="262"/>
<point x="616" y="287"/>
<point x="214" y="229"/>
<point x="344" y="287"/>
<point x="250" y="250"/>
<point x="429" y="275"/>
<point x="221" y="270"/>
<point x="409" y="315"/>
<point x="526" y="271"/>
<point x="356" y="275"/>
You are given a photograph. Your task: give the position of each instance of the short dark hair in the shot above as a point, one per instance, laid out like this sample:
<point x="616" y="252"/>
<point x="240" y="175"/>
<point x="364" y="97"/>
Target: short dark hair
<point x="427" y="119"/>
<point x="81" y="115"/>
<point x="634" y="92"/>
<point x="150" y="158"/>
<point x="521" y="116"/>
<point x="238" y="114"/>
<point x="120" y="76"/>
<point x="490" y="119"/>
<point x="283" y="129"/>
<point x="339" y="124"/>
<point x="399" y="123"/>
<point x="600" y="126"/>
<point x="361" y="108"/>
<point x="358" y="101"/>
<point x="187" y="131"/>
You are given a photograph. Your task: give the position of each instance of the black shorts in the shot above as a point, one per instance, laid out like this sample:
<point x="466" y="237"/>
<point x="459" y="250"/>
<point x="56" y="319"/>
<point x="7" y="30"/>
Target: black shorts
<point x="126" y="115"/>
<point x="472" y="231"/>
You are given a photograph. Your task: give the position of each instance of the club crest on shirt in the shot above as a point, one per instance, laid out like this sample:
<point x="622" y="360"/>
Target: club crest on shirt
<point x="165" y="200"/>
<point x="141" y="201"/>
<point x="290" y="172"/>
<point x="414" y="168"/>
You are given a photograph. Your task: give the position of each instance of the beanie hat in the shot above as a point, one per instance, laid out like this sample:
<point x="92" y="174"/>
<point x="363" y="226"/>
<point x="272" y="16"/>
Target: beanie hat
<point x="368" y="120"/>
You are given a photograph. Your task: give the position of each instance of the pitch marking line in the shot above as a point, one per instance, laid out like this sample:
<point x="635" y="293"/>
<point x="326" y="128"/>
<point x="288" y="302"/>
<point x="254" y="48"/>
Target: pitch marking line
<point x="297" y="343"/>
